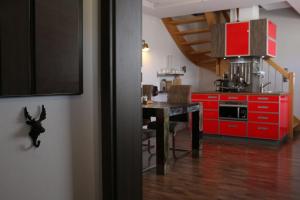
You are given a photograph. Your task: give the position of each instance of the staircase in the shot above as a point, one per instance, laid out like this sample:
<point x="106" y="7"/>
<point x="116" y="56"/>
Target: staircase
<point x="193" y="37"/>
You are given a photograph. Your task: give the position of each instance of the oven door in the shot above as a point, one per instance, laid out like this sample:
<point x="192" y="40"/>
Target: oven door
<point x="228" y="112"/>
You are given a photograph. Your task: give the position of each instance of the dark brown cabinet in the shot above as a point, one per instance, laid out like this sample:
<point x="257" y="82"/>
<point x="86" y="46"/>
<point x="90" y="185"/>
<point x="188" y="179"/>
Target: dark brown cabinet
<point x="41" y="47"/>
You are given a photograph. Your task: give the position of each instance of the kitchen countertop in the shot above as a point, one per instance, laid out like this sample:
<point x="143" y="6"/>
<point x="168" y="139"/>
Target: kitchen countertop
<point x="242" y="93"/>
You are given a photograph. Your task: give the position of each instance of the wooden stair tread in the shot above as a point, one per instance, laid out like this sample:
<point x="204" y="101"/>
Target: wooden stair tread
<point x="199" y="52"/>
<point x="189" y="20"/>
<point x="196" y="42"/>
<point x="193" y="31"/>
<point x="212" y="60"/>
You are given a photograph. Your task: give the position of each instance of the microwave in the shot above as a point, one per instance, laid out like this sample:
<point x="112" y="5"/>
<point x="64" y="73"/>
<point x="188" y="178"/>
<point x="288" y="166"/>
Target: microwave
<point x="233" y="111"/>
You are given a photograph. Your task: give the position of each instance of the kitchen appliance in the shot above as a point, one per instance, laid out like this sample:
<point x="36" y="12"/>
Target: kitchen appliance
<point x="233" y="111"/>
<point x="244" y="75"/>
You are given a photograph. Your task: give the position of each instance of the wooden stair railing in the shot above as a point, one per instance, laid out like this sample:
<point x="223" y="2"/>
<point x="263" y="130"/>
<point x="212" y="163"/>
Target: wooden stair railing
<point x="293" y="120"/>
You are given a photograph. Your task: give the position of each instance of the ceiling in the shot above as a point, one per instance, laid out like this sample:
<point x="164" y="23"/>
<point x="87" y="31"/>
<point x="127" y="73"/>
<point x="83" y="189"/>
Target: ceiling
<point x="171" y="8"/>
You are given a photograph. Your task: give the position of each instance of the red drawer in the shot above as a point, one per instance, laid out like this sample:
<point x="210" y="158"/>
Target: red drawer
<point x="265" y="98"/>
<point x="263" y="131"/>
<point x="211" y="126"/>
<point x="205" y="97"/>
<point x="212" y="105"/>
<point x="233" y="128"/>
<point x="208" y="114"/>
<point x="233" y="98"/>
<point x="263" y="107"/>
<point x="263" y="117"/>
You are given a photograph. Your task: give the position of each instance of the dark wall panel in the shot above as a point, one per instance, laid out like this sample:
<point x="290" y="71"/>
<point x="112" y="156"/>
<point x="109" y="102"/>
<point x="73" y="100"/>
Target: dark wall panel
<point x="15" y="70"/>
<point x="58" y="46"/>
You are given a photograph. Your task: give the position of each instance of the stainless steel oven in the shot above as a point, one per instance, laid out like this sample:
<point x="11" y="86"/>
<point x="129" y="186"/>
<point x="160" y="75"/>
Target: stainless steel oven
<point x="233" y="111"/>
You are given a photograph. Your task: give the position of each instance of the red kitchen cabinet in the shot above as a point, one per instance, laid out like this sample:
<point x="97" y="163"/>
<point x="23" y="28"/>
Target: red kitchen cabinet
<point x="250" y="38"/>
<point x="211" y="114"/>
<point x="263" y="131"/>
<point x="233" y="128"/>
<point x="268" y="117"/>
<point x="237" y="39"/>
<point x="263" y="107"/>
<point x="262" y="98"/>
<point x="263" y="118"/>
<point x="204" y="97"/>
<point x="210" y="104"/>
<point x="233" y="98"/>
<point x="211" y="127"/>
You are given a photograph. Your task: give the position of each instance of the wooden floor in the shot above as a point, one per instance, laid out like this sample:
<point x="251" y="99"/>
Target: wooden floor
<point x="230" y="170"/>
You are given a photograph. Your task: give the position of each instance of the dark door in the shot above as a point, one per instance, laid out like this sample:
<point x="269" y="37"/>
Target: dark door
<point x="58" y="47"/>
<point x="15" y="66"/>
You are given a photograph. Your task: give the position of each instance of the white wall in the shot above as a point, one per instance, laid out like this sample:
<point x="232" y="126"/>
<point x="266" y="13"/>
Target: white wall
<point x="64" y="167"/>
<point x="161" y="45"/>
<point x="288" y="23"/>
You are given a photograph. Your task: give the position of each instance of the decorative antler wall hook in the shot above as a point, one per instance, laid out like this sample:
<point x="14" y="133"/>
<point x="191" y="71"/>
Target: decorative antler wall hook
<point x="36" y="126"/>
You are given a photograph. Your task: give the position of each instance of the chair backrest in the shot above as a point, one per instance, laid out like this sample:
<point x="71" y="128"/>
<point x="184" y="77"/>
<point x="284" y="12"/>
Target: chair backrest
<point x="180" y="94"/>
<point x="147" y="91"/>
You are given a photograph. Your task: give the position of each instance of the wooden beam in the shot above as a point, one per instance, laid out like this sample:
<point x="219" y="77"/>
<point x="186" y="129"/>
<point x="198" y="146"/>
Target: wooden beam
<point x="278" y="68"/>
<point x="196" y="42"/>
<point x="291" y="103"/>
<point x="296" y="122"/>
<point x="189" y="20"/>
<point x="226" y="15"/>
<point x="211" y="18"/>
<point x="193" y="31"/>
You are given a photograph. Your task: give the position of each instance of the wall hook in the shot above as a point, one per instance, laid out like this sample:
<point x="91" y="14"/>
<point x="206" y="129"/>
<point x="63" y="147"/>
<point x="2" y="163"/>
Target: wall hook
<point x="36" y="126"/>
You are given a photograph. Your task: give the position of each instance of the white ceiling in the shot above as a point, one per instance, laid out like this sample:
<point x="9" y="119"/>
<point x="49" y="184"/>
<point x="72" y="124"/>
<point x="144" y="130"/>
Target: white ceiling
<point x="171" y="8"/>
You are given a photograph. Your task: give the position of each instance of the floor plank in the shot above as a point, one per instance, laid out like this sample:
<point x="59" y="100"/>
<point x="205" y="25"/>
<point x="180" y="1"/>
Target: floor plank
<point x="230" y="170"/>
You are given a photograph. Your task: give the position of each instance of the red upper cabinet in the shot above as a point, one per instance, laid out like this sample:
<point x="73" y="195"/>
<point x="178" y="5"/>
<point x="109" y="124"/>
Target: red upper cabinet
<point x="237" y="39"/>
<point x="250" y="38"/>
<point x="271" y="39"/>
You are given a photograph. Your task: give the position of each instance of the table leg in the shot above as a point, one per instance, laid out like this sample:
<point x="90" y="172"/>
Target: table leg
<point x="162" y="141"/>
<point x="196" y="135"/>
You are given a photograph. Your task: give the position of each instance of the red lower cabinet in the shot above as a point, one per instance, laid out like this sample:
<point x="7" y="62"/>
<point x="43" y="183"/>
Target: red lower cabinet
<point x="211" y="127"/>
<point x="233" y="128"/>
<point x="263" y="131"/>
<point x="211" y="114"/>
<point x="263" y="117"/>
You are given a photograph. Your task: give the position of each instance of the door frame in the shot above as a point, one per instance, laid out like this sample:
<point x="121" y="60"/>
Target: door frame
<point x="120" y="29"/>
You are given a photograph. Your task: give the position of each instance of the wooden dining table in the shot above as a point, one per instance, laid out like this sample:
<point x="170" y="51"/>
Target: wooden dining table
<point x="163" y="113"/>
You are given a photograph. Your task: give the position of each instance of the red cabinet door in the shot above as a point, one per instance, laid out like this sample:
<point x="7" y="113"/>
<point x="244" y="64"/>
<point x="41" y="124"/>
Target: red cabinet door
<point x="271" y="42"/>
<point x="265" y="98"/>
<point x="211" y="127"/>
<point x="263" y="131"/>
<point x="233" y="128"/>
<point x="237" y="39"/>
<point x="233" y="97"/>
<point x="263" y="107"/>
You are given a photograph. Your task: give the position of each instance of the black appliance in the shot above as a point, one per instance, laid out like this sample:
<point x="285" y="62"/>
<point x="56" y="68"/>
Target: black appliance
<point x="233" y="111"/>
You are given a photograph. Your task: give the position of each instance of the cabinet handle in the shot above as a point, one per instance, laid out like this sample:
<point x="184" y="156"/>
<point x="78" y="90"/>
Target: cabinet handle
<point x="263" y="107"/>
<point x="263" y="98"/>
<point x="233" y="98"/>
<point x="263" y="118"/>
<point x="262" y="128"/>
<point x="232" y="126"/>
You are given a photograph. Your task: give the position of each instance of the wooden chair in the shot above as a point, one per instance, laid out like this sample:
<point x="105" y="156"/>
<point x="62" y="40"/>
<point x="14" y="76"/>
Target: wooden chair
<point x="178" y="94"/>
